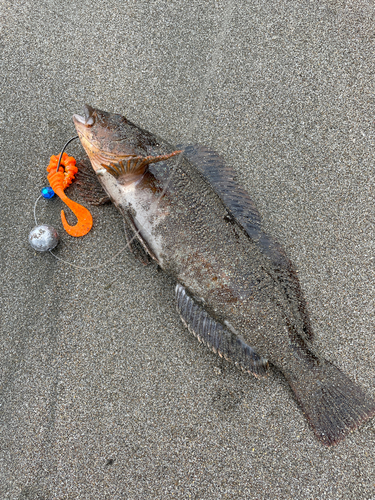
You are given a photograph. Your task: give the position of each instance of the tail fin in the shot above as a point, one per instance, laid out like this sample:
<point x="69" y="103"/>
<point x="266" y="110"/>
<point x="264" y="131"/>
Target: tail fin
<point x="332" y="403"/>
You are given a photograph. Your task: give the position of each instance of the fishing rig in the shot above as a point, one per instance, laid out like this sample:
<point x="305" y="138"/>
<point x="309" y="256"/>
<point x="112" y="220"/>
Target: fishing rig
<point x="61" y="171"/>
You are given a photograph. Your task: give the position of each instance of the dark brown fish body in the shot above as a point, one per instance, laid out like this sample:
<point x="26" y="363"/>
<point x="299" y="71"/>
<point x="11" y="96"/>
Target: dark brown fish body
<point x="237" y="291"/>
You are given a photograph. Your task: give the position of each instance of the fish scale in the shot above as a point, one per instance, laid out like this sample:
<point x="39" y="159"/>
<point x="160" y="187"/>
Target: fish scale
<point x="237" y="290"/>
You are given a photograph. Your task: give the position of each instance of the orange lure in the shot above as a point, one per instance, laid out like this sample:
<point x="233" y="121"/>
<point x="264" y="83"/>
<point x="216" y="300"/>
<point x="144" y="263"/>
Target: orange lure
<point x="61" y="180"/>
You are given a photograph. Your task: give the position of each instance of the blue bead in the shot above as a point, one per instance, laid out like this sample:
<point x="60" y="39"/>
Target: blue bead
<point x="47" y="192"/>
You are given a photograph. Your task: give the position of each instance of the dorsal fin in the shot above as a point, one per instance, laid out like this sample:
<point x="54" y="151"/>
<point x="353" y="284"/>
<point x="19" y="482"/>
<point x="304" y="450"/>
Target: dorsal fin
<point x="221" y="177"/>
<point x="240" y="206"/>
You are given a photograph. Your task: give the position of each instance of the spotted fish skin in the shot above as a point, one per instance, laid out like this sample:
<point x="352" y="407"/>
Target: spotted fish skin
<point x="207" y="234"/>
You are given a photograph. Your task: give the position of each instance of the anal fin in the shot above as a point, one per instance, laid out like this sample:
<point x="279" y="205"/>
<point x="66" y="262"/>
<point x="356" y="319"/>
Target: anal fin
<point x="217" y="337"/>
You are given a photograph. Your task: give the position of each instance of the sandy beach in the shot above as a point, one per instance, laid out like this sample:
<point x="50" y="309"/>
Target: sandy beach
<point x="104" y="393"/>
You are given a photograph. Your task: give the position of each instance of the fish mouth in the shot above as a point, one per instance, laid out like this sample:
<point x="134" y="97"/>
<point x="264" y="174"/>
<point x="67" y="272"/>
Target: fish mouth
<point x="83" y="124"/>
<point x="87" y="120"/>
<point x="95" y="140"/>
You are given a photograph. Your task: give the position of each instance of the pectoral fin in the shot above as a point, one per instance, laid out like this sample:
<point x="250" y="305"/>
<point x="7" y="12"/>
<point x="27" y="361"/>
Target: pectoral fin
<point x="221" y="340"/>
<point x="133" y="167"/>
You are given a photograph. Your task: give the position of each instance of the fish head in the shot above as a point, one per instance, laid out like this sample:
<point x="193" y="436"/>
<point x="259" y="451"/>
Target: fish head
<point x="107" y="137"/>
<point x="117" y="146"/>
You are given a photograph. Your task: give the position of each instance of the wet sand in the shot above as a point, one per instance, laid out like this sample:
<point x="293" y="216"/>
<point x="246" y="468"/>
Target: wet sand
<point x="104" y="393"/>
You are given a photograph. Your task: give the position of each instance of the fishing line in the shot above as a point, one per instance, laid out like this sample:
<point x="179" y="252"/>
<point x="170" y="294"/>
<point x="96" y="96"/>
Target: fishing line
<point x="36" y="222"/>
<point x="227" y="15"/>
<point x="50" y="250"/>
<point x="63" y="149"/>
<point x="92" y="267"/>
<point x="75" y="265"/>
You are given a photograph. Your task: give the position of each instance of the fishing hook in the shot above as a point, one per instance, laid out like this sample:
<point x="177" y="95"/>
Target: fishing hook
<point x="60" y="179"/>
